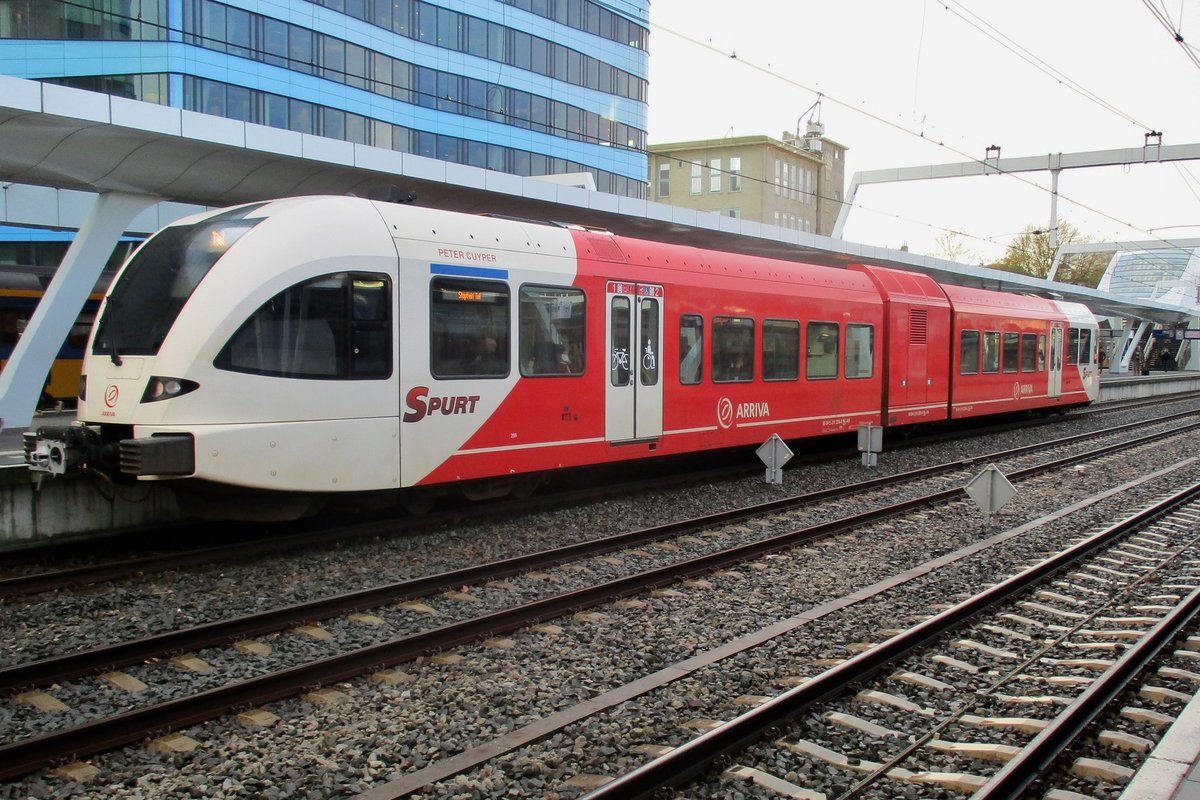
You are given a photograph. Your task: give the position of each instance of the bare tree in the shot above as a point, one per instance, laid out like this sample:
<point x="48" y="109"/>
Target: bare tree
<point x="951" y="247"/>
<point x="1031" y="254"/>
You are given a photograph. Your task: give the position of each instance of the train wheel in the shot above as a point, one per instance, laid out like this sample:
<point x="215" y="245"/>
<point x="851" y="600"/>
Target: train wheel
<point x="418" y="501"/>
<point x="525" y="487"/>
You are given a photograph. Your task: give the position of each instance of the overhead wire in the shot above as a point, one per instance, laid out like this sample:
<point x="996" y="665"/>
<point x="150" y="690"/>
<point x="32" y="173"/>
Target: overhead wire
<point x="858" y="109"/>
<point x="1164" y="19"/>
<point x="1189" y="180"/>
<point x="878" y="118"/>
<point x="993" y="33"/>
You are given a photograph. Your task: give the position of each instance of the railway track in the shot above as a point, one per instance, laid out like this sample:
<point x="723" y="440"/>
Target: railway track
<point x="47" y="671"/>
<point x="252" y="546"/>
<point x="1015" y="678"/>
<point x="139" y="722"/>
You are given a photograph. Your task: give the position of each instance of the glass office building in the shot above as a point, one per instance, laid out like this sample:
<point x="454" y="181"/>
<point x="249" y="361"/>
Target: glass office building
<point x="528" y="87"/>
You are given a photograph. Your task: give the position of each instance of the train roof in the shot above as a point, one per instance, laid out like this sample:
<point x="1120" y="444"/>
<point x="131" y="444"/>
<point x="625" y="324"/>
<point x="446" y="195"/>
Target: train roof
<point x="533" y="237"/>
<point x="986" y="301"/>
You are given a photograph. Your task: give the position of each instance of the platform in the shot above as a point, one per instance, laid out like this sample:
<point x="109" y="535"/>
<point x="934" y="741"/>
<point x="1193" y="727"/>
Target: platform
<point x="68" y="508"/>
<point x="1131" y="387"/>
<point x="12" y="445"/>
<point x="1173" y="770"/>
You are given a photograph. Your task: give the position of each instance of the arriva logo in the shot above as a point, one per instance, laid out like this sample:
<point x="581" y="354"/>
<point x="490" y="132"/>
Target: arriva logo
<point x="727" y="412"/>
<point x="421" y="404"/>
<point x="724" y="412"/>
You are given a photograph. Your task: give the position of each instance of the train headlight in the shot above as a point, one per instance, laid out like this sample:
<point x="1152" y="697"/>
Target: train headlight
<point x="167" y="389"/>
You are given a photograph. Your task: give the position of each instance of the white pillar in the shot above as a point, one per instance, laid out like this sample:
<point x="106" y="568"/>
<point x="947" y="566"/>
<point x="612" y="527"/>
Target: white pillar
<point x="1054" y="223"/>
<point x="24" y="375"/>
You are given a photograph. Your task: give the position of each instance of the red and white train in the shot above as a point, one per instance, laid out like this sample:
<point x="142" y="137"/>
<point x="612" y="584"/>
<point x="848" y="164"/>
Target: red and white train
<point x="298" y="349"/>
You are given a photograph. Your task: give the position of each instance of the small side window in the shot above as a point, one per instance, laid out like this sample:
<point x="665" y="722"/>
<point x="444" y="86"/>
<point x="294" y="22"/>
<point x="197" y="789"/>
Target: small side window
<point x="552" y="330"/>
<point x="1085" y="346"/>
<point x="732" y="349"/>
<point x="991" y="351"/>
<point x="370" y="327"/>
<point x="860" y="351"/>
<point x="781" y="350"/>
<point x="1012" y="351"/>
<point x="968" y="353"/>
<point x="468" y="328"/>
<point x="1029" y="352"/>
<point x="821" y="356"/>
<point x="691" y="349"/>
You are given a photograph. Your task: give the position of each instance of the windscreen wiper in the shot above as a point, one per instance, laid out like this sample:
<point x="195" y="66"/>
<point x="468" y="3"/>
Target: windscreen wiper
<point x="110" y="317"/>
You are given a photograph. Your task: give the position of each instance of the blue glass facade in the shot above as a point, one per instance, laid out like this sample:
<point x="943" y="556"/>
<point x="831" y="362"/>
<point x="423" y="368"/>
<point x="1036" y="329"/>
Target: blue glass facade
<point x="527" y="87"/>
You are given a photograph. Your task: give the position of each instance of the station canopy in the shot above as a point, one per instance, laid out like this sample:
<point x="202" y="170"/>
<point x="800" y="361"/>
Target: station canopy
<point x="69" y="139"/>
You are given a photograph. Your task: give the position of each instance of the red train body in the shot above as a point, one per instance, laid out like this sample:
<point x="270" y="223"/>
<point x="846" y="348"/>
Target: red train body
<point x="389" y="348"/>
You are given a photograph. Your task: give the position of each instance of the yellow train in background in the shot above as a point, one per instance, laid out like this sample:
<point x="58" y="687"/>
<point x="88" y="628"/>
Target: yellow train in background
<point x="16" y="307"/>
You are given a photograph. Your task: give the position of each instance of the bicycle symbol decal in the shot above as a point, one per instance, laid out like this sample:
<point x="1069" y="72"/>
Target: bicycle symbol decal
<point x="620" y="358"/>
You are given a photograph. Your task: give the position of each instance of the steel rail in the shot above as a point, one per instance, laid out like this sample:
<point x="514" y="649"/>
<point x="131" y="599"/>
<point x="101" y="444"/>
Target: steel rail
<point x="26" y="755"/>
<point x="55" y="669"/>
<point x="52" y="580"/>
<point x="692" y="759"/>
<point x="29" y="754"/>
<point x="1039" y="756"/>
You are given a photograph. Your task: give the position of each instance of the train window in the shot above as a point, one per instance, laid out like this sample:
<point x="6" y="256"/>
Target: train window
<point x="860" y="351"/>
<point x="691" y="349"/>
<point x="144" y="302"/>
<point x="551" y="331"/>
<point x="968" y="353"/>
<point x="77" y="338"/>
<point x="370" y="327"/>
<point x="1012" y="351"/>
<point x="1028" y="352"/>
<point x="1072" y="345"/>
<point x="648" y="353"/>
<point x="12" y="325"/>
<point x="991" y="351"/>
<point x="334" y="326"/>
<point x="468" y="328"/>
<point x="1085" y="346"/>
<point x="622" y="319"/>
<point x="781" y="350"/>
<point x="732" y="349"/>
<point x="1041" y="353"/>
<point x="821" y="355"/>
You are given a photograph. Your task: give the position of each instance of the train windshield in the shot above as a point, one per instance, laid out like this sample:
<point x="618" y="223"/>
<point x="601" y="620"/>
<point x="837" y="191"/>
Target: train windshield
<point x="144" y="302"/>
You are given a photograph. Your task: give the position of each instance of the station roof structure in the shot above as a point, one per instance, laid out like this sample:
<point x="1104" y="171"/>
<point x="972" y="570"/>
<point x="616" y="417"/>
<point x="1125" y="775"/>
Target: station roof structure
<point x="73" y="140"/>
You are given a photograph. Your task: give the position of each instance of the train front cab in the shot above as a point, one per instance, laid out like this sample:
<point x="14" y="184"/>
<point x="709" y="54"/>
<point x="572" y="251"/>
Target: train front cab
<point x="916" y="346"/>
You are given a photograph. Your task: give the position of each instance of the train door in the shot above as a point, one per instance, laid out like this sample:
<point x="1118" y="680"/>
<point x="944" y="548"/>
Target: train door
<point x="908" y="382"/>
<point x="1054" y="383"/>
<point x="633" y="392"/>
